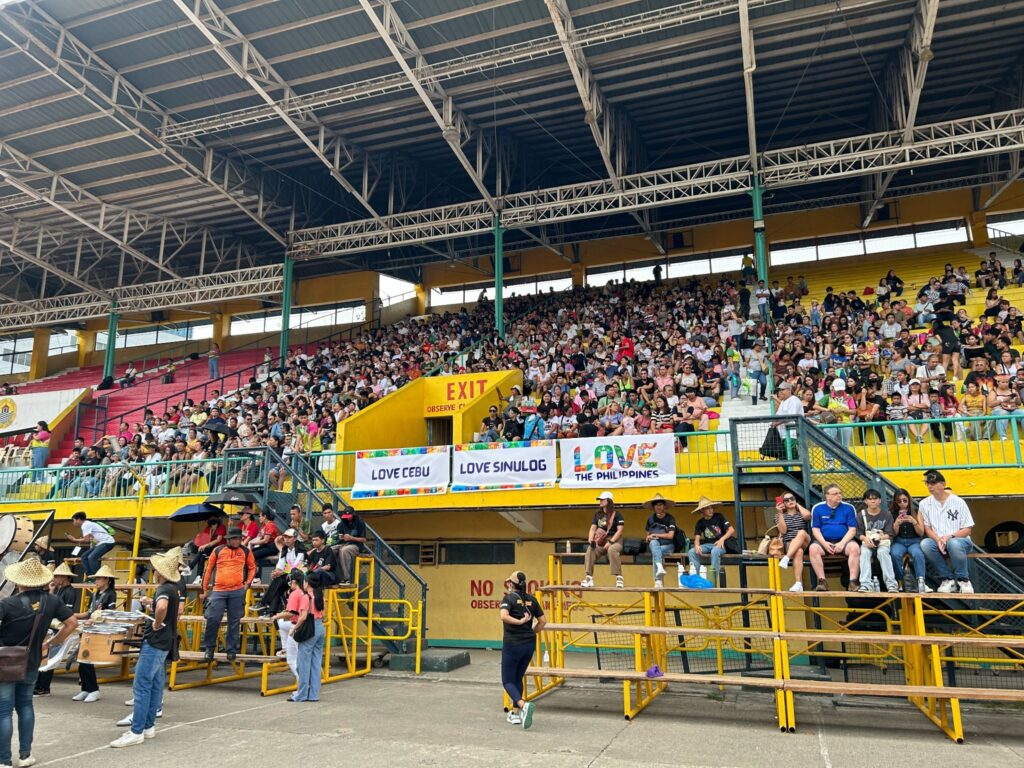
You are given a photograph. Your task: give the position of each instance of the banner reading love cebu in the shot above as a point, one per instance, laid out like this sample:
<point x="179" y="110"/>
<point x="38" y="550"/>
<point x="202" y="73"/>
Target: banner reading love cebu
<point x="402" y="472"/>
<point x="504" y="466"/>
<point x="618" y="462"/>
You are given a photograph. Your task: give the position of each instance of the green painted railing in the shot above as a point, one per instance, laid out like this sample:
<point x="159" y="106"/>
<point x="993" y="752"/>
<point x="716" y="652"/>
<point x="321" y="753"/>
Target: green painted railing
<point x="961" y="443"/>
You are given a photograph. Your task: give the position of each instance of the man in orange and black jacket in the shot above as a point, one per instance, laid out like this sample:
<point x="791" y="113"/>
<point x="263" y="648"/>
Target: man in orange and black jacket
<point x="230" y="570"/>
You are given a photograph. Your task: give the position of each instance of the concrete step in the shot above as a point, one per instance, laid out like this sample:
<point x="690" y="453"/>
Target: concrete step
<point x="737" y="409"/>
<point x="431" y="660"/>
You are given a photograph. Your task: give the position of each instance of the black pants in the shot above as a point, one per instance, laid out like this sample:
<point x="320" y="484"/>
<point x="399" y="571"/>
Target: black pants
<point x="264" y="551"/>
<point x="514" y="661"/>
<point x="44" y="680"/>
<point x="87" y="678"/>
<point x="273" y="598"/>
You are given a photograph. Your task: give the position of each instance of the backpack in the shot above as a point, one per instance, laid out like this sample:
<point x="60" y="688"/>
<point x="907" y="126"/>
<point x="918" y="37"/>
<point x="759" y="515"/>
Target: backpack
<point x="681" y="540"/>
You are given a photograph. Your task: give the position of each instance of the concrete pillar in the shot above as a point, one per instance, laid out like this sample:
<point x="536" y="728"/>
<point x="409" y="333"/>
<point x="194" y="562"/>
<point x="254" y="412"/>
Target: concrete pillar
<point x="977" y="228"/>
<point x="40" y="353"/>
<point x="221" y="328"/>
<point x="579" y="275"/>
<point x="86" y="346"/>
<point x="422" y="298"/>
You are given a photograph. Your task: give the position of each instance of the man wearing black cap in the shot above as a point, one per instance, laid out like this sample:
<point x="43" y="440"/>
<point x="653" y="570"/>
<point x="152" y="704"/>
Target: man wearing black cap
<point x="352" y="538"/>
<point x="229" y="572"/>
<point x="947" y="528"/>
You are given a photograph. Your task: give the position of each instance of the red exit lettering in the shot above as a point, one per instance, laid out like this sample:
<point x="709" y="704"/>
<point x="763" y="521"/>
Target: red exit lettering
<point x="465" y="390"/>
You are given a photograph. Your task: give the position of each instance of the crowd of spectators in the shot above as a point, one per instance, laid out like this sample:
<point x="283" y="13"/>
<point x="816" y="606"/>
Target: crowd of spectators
<point x="633" y="358"/>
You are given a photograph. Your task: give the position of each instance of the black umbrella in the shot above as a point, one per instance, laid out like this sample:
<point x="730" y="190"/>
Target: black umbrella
<point x="233" y="498"/>
<point x="195" y="512"/>
<point x="221" y="429"/>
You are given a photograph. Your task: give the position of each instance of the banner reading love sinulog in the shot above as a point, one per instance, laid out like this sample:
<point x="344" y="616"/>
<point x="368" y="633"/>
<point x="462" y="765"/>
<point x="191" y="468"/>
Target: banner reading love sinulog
<point x="402" y="472"/>
<point x="618" y="462"/>
<point x="517" y="466"/>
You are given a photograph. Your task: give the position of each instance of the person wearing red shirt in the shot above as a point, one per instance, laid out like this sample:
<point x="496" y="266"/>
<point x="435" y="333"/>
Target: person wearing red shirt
<point x="263" y="545"/>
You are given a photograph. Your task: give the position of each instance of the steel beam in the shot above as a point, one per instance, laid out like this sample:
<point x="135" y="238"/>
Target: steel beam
<point x="37" y="35"/>
<point x="249" y="64"/>
<point x="902" y="84"/>
<point x="256" y="282"/>
<point x="1010" y="94"/>
<point x="794" y="166"/>
<point x="613" y="132"/>
<point x="46" y="266"/>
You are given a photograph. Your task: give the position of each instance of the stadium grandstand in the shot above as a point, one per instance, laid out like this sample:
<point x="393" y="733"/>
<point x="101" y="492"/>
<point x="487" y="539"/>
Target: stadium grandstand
<point x="465" y="265"/>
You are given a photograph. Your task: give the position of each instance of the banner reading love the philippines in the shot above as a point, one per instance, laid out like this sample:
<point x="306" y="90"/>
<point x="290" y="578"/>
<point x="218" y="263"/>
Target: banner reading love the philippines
<point x="618" y="462"/>
<point x="402" y="472"/>
<point x="515" y="466"/>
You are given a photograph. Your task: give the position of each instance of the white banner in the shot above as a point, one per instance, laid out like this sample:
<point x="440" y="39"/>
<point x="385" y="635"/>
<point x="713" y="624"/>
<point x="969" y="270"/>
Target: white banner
<point x="23" y="411"/>
<point x="619" y="462"/>
<point x="514" y="466"/>
<point x="402" y="472"/>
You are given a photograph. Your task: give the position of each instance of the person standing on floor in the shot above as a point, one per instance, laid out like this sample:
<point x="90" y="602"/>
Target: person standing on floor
<point x="661" y="535"/>
<point x="310" y="645"/>
<point x="522" y="619"/>
<point x="24" y="619"/>
<point x="605" y="540"/>
<point x="67" y="595"/>
<point x="104" y="598"/>
<point x="214" y="361"/>
<point x="158" y="642"/>
<point x="230" y="570"/>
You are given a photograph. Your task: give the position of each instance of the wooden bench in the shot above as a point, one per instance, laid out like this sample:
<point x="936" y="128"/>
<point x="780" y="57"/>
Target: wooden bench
<point x="640" y="677"/>
<point x="667" y="631"/>
<point x="243" y="657"/>
<point x="916" y="691"/>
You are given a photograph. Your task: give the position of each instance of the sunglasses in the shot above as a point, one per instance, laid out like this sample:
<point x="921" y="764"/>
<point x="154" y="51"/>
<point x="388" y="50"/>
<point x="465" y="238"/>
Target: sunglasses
<point x="789" y="498"/>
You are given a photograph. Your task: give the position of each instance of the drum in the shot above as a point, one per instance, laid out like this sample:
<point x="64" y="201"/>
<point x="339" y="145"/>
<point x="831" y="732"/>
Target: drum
<point x="15" y="533"/>
<point x="103" y="645"/>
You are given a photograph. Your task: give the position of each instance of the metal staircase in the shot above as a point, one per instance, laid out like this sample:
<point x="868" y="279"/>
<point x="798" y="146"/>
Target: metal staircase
<point x="810" y="458"/>
<point x="248" y="469"/>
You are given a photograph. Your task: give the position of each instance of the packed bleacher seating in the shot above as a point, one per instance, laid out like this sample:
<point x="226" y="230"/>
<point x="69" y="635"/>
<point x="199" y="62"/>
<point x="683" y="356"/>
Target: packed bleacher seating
<point x="633" y="358"/>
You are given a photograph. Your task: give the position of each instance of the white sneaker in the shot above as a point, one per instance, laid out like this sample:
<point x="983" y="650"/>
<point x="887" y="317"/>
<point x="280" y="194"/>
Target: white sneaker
<point x="620" y="582"/>
<point x="966" y="588"/>
<point x="947" y="586"/>
<point x="659" y="584"/>
<point x="922" y="586"/>
<point x="91" y="697"/>
<point x="892" y="586"/>
<point x="80" y="696"/>
<point x="130" y="702"/>
<point x="703" y="571"/>
<point x="197" y="581"/>
<point x="25" y="762"/>
<point x="127" y="739"/>
<point x="797" y="587"/>
<point x="693" y="571"/>
<point x="149" y="733"/>
<point x="126" y="721"/>
<point x="784" y="561"/>
<point x="588" y="581"/>
<point x="864" y="587"/>
<point x="514" y="718"/>
<point x="659" y="571"/>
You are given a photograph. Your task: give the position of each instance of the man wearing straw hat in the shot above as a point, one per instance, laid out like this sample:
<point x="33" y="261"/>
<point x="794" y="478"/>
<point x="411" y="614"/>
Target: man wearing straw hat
<point x="661" y="534"/>
<point x="24" y="619"/>
<point x="69" y="596"/>
<point x="710" y="537"/>
<point x="157" y="642"/>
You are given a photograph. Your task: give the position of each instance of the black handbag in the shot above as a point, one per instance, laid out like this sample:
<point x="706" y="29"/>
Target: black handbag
<point x="305" y="630"/>
<point x="633" y="546"/>
<point x="14" y="658"/>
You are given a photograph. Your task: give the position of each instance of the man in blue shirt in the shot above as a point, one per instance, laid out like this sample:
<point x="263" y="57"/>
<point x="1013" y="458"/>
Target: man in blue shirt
<point x="834" y="532"/>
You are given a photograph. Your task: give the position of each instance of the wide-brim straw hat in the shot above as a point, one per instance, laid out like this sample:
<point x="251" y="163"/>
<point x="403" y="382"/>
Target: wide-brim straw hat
<point x="28" y="573"/>
<point x="105" y="572"/>
<point x="64" y="570"/>
<point x="703" y="503"/>
<point x="43" y="541"/>
<point x="168" y="564"/>
<point x="649" y="504"/>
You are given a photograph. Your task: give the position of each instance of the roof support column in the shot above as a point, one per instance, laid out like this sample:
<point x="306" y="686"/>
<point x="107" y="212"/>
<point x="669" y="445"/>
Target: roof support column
<point x="40" y="353"/>
<point x="108" y="357"/>
<point x="499" y="278"/>
<point x="286" y="308"/>
<point x="756" y="190"/>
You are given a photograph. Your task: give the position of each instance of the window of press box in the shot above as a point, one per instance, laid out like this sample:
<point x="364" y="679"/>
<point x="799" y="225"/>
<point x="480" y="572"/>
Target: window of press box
<point x="409" y="553"/>
<point x="478" y="553"/>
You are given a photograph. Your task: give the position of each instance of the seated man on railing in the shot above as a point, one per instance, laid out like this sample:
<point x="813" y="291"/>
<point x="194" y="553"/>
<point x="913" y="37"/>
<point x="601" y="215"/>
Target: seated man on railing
<point x="833" y="532"/>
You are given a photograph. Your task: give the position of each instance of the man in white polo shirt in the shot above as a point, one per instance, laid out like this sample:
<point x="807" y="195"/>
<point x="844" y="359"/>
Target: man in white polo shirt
<point x="947" y="528"/>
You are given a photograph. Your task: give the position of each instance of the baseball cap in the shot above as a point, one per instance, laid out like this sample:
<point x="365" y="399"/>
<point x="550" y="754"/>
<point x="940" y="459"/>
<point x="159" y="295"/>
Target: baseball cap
<point x="934" y="476"/>
<point x="606" y="495"/>
<point x="784" y="385"/>
<point x="291" y="532"/>
<point x="516" y="577"/>
<point x="838" y="385"/>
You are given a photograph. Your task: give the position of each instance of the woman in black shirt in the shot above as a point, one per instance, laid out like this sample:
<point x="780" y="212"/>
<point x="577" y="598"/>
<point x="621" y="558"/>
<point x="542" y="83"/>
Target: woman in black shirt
<point x="522" y="619"/>
<point x="104" y="598"/>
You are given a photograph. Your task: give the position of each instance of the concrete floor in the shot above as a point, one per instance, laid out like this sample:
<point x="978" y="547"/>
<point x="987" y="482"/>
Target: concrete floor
<point x="455" y="720"/>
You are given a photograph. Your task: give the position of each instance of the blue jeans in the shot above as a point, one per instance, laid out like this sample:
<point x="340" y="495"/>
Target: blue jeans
<point x="659" y="548"/>
<point x="900" y="546"/>
<point x="311" y="662"/>
<point x="515" y="658"/>
<point x="232" y="602"/>
<point x="707" y="547"/>
<point x="956" y="552"/>
<point x="214" y="367"/>
<point x="148" y="688"/>
<point x="17" y="696"/>
<point x="762" y="382"/>
<point x="39" y="457"/>
<point x="92" y="557"/>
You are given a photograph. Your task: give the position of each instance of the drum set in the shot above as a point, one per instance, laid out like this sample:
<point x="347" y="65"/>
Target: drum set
<point x="108" y="638"/>
<point x="15" y="537"/>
